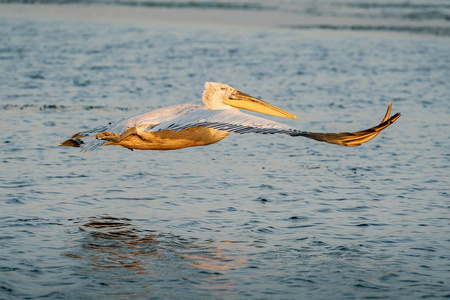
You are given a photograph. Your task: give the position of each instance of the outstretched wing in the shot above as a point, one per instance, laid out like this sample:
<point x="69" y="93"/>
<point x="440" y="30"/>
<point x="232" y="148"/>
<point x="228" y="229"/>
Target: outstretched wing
<point x="229" y="120"/>
<point x="238" y="122"/>
<point x="353" y="139"/>
<point x="146" y="120"/>
<point x="86" y="140"/>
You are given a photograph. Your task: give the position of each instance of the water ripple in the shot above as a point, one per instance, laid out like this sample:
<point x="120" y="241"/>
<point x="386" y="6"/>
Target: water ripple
<point x="252" y="216"/>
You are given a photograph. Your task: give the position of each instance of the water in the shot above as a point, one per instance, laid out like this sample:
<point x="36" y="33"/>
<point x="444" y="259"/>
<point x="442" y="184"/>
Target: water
<point x="261" y="217"/>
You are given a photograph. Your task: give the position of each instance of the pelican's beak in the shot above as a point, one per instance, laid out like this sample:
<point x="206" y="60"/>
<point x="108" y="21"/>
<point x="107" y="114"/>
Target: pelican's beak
<point x="244" y="101"/>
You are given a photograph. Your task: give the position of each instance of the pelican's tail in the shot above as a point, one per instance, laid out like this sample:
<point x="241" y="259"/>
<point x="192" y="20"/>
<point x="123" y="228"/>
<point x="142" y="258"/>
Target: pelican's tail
<point x="81" y="139"/>
<point x="74" y="141"/>
<point x="353" y="139"/>
<point x="87" y="145"/>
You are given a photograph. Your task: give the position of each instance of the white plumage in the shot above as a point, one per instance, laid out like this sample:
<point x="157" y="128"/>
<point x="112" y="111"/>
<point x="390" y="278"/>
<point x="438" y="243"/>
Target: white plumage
<point x="189" y="125"/>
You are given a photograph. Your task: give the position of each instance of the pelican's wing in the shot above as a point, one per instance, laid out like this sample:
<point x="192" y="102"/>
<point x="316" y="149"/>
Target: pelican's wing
<point x="156" y="117"/>
<point x="239" y="122"/>
<point x="148" y="120"/>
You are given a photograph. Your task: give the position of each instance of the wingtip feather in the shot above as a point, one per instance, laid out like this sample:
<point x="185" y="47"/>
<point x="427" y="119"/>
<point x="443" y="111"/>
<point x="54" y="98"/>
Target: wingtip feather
<point x="356" y="138"/>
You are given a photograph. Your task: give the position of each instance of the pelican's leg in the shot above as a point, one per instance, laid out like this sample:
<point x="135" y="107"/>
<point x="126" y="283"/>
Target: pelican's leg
<point x="115" y="138"/>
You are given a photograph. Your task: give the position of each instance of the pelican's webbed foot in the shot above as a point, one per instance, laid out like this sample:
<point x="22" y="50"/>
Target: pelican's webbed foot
<point x="113" y="137"/>
<point x="108" y="136"/>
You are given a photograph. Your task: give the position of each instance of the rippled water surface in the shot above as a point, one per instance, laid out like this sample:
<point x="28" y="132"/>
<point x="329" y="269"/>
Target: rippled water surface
<point x="262" y="217"/>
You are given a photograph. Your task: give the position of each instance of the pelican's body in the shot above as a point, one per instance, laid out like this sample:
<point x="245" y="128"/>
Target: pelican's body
<point x="190" y="125"/>
<point x="137" y="137"/>
<point x="170" y="140"/>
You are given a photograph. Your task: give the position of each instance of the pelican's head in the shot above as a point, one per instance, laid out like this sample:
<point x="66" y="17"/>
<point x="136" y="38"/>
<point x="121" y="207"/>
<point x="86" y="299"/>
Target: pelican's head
<point x="222" y="96"/>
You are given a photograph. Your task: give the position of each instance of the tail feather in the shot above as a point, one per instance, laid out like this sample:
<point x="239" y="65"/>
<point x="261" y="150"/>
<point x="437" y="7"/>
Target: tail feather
<point x="72" y="142"/>
<point x="81" y="139"/>
<point x="86" y="145"/>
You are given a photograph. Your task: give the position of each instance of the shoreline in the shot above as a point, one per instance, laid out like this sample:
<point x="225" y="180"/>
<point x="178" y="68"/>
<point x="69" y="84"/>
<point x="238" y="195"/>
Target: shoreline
<point x="204" y="17"/>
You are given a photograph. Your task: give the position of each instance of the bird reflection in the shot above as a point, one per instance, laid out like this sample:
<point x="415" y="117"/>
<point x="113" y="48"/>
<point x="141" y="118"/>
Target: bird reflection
<point x="115" y="243"/>
<point x="116" y="253"/>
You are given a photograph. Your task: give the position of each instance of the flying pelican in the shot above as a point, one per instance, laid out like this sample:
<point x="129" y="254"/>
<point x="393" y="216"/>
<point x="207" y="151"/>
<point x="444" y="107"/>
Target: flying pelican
<point x="190" y="125"/>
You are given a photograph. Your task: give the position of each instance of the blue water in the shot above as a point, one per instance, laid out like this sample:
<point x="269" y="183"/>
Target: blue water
<point x="253" y="216"/>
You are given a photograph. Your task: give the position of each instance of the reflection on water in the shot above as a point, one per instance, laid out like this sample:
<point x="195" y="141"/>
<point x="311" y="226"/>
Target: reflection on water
<point x="114" y="243"/>
<point x="114" y="252"/>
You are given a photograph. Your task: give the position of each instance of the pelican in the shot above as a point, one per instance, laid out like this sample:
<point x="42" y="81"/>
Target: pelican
<point x="191" y="125"/>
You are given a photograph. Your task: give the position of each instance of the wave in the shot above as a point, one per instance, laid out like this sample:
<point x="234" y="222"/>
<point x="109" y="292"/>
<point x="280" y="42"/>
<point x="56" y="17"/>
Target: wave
<point x="55" y="107"/>
<point x="432" y="10"/>
<point x="371" y="5"/>
<point x="438" y="31"/>
<point x="422" y="17"/>
<point x="227" y="5"/>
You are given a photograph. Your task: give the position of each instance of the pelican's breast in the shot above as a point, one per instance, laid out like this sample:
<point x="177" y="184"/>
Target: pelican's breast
<point x="172" y="140"/>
